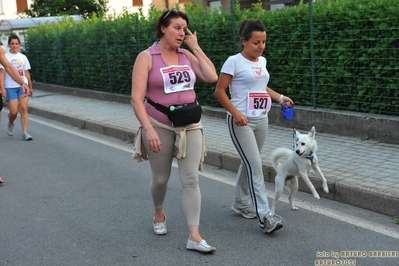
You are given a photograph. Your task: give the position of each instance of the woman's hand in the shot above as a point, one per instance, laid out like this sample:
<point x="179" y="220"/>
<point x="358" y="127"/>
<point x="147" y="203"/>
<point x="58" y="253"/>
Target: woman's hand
<point x="191" y="39"/>
<point x="3" y="92"/>
<point x="25" y="89"/>
<point x="288" y="102"/>
<point x="240" y="119"/>
<point x="153" y="141"/>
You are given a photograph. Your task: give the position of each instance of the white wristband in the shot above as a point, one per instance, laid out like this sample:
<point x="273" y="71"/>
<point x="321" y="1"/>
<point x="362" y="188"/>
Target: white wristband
<point x="281" y="97"/>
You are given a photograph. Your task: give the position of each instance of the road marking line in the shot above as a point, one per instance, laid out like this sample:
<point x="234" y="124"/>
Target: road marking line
<point x="337" y="215"/>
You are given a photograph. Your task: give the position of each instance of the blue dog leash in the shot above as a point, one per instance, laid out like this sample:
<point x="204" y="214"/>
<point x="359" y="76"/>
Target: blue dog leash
<point x="288" y="114"/>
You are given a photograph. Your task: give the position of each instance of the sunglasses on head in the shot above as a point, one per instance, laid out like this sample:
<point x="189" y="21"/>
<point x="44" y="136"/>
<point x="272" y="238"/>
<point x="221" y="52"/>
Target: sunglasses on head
<point x="174" y="10"/>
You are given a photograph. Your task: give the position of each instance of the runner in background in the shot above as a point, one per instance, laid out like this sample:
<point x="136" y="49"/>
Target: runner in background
<point x="15" y="76"/>
<point x="14" y="93"/>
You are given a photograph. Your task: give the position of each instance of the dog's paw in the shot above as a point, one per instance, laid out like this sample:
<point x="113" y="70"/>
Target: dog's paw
<point x="294" y="208"/>
<point x="325" y="189"/>
<point x="317" y="196"/>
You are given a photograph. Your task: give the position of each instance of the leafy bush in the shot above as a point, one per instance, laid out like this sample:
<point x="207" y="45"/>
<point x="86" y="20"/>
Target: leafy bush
<point x="355" y="47"/>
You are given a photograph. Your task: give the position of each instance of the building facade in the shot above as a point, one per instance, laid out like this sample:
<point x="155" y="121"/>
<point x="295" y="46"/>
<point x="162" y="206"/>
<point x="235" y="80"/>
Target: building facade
<point x="10" y="9"/>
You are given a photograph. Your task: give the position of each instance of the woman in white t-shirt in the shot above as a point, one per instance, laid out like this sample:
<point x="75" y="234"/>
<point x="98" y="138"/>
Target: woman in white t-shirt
<point x="14" y="94"/>
<point x="246" y="76"/>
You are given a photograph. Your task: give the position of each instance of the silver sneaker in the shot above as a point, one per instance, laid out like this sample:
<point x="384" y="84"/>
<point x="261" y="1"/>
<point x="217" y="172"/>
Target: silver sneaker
<point x="10" y="129"/>
<point x="272" y="223"/>
<point x="160" y="228"/>
<point x="26" y="136"/>
<point x="247" y="212"/>
<point x="201" y="247"/>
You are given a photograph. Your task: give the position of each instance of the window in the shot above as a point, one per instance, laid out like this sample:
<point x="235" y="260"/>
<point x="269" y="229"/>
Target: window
<point x="22" y="5"/>
<point x="1" y="7"/>
<point x="137" y="2"/>
<point x="216" y="4"/>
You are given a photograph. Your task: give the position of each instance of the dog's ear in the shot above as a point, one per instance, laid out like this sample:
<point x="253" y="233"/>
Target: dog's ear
<point x="312" y="132"/>
<point x="297" y="133"/>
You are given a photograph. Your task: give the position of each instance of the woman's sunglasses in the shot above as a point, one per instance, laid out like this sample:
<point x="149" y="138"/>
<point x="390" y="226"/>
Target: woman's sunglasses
<point x="174" y="10"/>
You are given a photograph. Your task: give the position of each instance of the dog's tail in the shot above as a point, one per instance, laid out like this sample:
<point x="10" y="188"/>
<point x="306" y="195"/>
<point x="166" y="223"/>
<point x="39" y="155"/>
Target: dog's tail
<point x="278" y="154"/>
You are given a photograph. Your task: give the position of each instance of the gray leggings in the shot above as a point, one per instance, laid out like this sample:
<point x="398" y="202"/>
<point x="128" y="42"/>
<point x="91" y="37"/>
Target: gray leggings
<point x="250" y="184"/>
<point x="161" y="165"/>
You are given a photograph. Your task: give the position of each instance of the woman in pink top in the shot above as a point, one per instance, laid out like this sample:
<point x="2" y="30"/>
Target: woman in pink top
<point x="165" y="74"/>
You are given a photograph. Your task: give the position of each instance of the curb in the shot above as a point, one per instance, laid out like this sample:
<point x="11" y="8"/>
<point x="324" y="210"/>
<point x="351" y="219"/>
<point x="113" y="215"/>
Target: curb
<point x="340" y="191"/>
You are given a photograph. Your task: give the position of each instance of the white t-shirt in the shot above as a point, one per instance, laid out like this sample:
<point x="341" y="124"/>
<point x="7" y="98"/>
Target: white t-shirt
<point x="247" y="76"/>
<point x="21" y="63"/>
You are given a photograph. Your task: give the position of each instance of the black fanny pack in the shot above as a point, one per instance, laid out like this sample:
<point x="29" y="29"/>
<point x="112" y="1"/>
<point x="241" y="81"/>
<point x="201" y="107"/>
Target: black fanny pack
<point x="180" y="115"/>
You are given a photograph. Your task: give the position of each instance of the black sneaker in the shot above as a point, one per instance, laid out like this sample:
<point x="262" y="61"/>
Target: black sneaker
<point x="272" y="223"/>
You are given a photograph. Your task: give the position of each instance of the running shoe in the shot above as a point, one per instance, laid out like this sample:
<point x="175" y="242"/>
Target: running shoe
<point x="26" y="136"/>
<point x="10" y="129"/>
<point x="272" y="223"/>
<point x="247" y="212"/>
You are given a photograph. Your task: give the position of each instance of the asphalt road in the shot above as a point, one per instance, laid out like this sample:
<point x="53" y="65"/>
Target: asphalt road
<point x="74" y="197"/>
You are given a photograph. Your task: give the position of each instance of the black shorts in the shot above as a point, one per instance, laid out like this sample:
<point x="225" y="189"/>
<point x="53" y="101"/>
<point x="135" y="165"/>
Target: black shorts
<point x="1" y="102"/>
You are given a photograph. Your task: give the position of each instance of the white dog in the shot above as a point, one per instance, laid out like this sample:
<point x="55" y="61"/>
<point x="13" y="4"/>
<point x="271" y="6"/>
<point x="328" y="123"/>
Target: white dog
<point x="298" y="163"/>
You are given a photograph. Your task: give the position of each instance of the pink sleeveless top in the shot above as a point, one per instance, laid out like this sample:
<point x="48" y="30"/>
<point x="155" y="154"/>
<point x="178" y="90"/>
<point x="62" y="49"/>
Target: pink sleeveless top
<point x="156" y="85"/>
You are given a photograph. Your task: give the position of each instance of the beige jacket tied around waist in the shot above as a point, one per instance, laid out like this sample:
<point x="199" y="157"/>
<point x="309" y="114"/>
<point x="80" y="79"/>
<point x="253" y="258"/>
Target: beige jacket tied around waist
<point x="180" y="143"/>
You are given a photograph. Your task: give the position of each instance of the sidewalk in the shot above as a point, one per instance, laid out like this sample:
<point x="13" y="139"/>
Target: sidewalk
<point x="359" y="173"/>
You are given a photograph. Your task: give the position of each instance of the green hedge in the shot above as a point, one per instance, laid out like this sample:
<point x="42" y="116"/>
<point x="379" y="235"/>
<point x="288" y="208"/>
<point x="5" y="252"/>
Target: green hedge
<point x="356" y="50"/>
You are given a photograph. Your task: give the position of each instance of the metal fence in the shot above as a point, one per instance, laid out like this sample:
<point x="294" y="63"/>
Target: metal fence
<point x="322" y="57"/>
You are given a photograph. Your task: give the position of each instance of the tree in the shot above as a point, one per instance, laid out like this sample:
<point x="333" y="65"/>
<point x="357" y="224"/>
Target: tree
<point x="85" y="8"/>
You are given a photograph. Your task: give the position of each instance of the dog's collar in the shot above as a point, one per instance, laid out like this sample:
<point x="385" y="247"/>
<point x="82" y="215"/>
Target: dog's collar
<point x="310" y="157"/>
